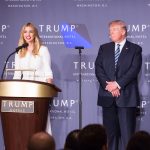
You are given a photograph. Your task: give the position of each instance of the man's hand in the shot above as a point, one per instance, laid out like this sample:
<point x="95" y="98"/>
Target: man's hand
<point x="111" y="86"/>
<point x="115" y="93"/>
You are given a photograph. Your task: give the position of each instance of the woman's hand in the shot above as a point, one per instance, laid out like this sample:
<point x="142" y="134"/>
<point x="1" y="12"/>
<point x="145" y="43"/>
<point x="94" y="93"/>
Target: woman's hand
<point x="49" y="80"/>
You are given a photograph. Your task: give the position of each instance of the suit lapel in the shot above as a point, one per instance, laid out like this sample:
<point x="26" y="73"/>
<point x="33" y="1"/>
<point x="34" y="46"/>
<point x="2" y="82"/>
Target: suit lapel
<point x="124" y="53"/>
<point x="111" y="54"/>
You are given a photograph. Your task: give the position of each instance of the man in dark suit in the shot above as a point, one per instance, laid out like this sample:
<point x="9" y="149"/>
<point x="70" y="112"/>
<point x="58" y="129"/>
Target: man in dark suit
<point x="117" y="66"/>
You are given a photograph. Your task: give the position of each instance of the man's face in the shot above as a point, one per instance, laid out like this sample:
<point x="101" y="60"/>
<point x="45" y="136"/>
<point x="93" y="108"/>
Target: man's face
<point x="116" y="32"/>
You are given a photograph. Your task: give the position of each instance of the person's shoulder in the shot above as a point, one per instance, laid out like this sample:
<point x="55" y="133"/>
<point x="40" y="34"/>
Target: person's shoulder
<point x="135" y="45"/>
<point x="107" y="44"/>
<point x="43" y="49"/>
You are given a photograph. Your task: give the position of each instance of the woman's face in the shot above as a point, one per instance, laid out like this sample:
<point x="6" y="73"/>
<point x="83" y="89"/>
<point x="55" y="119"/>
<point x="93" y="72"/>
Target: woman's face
<point x="29" y="34"/>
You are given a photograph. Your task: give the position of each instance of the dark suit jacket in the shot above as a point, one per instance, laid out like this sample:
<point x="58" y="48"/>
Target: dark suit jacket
<point x="126" y="74"/>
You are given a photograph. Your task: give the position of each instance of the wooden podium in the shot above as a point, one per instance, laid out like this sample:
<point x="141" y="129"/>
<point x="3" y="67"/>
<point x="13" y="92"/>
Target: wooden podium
<point x="24" y="108"/>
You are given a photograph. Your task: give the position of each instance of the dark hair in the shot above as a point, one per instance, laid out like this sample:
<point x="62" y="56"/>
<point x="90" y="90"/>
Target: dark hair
<point x="92" y="137"/>
<point x="72" y="141"/>
<point x="41" y="141"/>
<point x="139" y="141"/>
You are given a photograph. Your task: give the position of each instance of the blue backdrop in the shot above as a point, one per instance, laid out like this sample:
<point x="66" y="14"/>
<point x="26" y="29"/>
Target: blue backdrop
<point x="63" y="24"/>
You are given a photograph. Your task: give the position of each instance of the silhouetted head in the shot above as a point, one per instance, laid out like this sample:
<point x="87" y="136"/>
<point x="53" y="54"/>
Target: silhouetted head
<point x="93" y="137"/>
<point x="41" y="141"/>
<point x="72" y="141"/>
<point x="139" y="141"/>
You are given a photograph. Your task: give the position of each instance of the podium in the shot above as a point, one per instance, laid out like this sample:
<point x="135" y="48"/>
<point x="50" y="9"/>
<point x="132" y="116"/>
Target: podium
<point x="24" y="109"/>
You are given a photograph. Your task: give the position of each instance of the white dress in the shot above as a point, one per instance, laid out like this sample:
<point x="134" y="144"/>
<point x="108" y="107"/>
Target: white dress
<point x="36" y="68"/>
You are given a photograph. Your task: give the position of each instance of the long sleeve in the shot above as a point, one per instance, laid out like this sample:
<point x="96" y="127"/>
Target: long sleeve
<point x="132" y="73"/>
<point x="46" y="58"/>
<point x="36" y="67"/>
<point x="99" y="70"/>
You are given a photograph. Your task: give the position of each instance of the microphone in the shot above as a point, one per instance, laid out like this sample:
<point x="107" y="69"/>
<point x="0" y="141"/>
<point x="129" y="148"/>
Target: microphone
<point x="79" y="47"/>
<point x="16" y="51"/>
<point x="22" y="46"/>
<point x="21" y="76"/>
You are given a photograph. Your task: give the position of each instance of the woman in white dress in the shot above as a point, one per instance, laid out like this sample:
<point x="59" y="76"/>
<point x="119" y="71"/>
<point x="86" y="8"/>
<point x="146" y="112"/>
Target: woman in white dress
<point x="35" y="57"/>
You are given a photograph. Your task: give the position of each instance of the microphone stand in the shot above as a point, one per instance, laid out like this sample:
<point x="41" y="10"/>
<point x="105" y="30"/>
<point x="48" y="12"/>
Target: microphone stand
<point x="80" y="85"/>
<point x="16" y="51"/>
<point x="6" y="64"/>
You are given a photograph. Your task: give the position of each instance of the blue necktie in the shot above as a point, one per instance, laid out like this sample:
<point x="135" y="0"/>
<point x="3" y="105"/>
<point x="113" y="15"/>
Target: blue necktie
<point x="117" y="53"/>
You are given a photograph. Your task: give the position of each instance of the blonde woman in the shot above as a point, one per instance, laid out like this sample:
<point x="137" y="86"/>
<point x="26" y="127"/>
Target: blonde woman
<point x="35" y="58"/>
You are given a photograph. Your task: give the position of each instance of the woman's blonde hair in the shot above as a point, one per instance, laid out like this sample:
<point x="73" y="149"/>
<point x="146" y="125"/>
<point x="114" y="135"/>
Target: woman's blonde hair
<point x="37" y="41"/>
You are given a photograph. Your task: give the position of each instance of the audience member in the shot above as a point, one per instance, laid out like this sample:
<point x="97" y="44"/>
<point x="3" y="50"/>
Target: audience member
<point x="93" y="137"/>
<point x="72" y="141"/>
<point x="41" y="141"/>
<point x="139" y="141"/>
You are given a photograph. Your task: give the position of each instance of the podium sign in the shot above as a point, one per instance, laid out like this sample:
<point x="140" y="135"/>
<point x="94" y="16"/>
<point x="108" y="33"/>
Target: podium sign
<point x="17" y="106"/>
